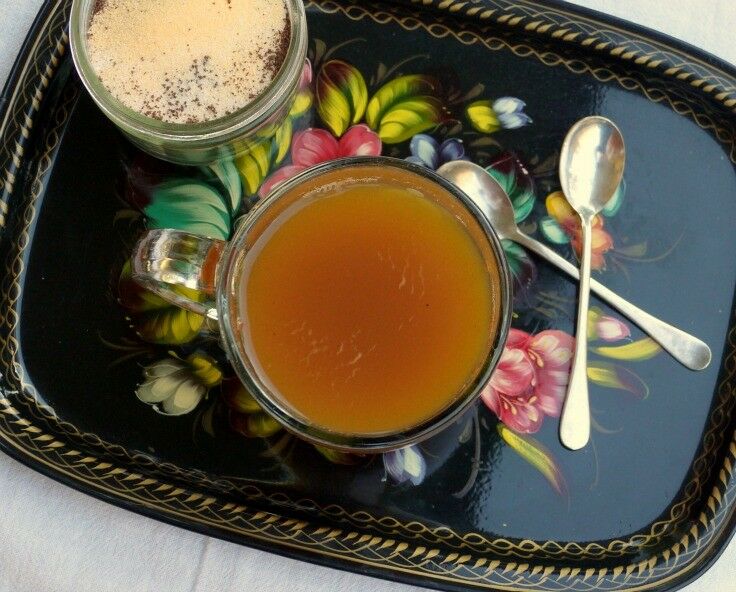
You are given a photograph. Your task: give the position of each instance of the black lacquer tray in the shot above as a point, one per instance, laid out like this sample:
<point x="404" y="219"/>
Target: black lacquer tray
<point x="494" y="501"/>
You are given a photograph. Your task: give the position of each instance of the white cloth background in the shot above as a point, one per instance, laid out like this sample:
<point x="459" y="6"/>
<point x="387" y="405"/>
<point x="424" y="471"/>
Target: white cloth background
<point x="53" y="538"/>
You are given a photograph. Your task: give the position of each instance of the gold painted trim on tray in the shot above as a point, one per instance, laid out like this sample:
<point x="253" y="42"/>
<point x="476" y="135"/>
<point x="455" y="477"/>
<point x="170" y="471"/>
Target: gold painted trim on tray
<point x="32" y="87"/>
<point x="626" y="45"/>
<point x="724" y="132"/>
<point x="30" y="439"/>
<point x="602" y="37"/>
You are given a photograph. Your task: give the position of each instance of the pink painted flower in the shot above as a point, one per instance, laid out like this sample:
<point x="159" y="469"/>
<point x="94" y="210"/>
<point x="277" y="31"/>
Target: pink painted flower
<point x="530" y="379"/>
<point x="610" y="328"/>
<point x="313" y="146"/>
<point x="306" y="77"/>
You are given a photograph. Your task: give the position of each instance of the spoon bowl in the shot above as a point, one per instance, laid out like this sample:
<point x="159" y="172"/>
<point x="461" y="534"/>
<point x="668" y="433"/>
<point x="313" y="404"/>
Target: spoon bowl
<point x="591" y="164"/>
<point x="485" y="192"/>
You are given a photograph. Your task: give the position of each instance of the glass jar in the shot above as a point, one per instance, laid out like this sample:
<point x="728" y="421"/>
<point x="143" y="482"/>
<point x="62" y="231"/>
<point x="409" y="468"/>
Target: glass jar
<point x="205" y="142"/>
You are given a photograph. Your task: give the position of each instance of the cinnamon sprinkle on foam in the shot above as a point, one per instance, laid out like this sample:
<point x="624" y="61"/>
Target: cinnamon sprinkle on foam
<point x="187" y="61"/>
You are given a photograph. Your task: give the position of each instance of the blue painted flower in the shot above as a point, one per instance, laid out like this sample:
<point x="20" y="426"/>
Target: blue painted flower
<point x="426" y="151"/>
<point x="405" y="464"/>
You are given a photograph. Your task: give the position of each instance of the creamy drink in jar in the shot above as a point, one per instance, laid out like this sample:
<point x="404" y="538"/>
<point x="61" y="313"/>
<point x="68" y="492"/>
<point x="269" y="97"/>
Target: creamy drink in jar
<point x="187" y="61"/>
<point x="191" y="81"/>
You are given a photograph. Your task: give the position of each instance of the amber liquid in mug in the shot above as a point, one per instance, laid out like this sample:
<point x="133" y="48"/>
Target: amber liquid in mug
<point x="368" y="307"/>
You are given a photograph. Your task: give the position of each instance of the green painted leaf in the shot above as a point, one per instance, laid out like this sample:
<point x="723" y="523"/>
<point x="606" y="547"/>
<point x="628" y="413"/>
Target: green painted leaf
<point x="238" y="398"/>
<point x="189" y="205"/>
<point x="617" y="377"/>
<point x="636" y="351"/>
<point x="523" y="270"/>
<point x="537" y="455"/>
<point x="154" y="319"/>
<point x="409" y="119"/>
<point x="613" y="205"/>
<point x="282" y="140"/>
<point x="513" y="175"/>
<point x="482" y="117"/>
<point x="339" y="458"/>
<point x="594" y="313"/>
<point x="404" y="107"/>
<point x="205" y="368"/>
<point x="341" y="96"/>
<point x="635" y="250"/>
<point x="302" y="103"/>
<point x="552" y="231"/>
<point x="168" y="326"/>
<point x="228" y="175"/>
<point x="262" y="425"/>
<point x="254" y="165"/>
<point x="523" y="201"/>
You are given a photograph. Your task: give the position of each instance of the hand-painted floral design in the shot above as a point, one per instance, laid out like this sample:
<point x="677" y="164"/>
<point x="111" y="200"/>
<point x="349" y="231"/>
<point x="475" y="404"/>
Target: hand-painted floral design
<point x="634" y="351"/>
<point x="174" y="386"/>
<point x="306" y="78"/>
<point x="246" y="415"/>
<point x="490" y="116"/>
<point x="537" y="455"/>
<point x="614" y="376"/>
<point x="314" y="146"/>
<point x="415" y="117"/>
<point x="530" y="379"/>
<point x="405" y="464"/>
<point x="428" y="152"/>
<point x="514" y="176"/>
<point x="341" y="458"/>
<point x="563" y="226"/>
<point x="342" y="96"/>
<point x="523" y="271"/>
<point x="143" y="174"/>
<point x="154" y="319"/>
<point x="606" y="327"/>
<point x="510" y="112"/>
<point x="404" y="107"/>
<point x="269" y="149"/>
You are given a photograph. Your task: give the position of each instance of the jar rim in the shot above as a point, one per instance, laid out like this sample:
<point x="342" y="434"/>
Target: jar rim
<point x="211" y="132"/>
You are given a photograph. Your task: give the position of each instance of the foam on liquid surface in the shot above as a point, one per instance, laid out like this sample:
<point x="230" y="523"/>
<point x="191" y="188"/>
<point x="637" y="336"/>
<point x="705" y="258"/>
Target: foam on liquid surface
<point x="186" y="61"/>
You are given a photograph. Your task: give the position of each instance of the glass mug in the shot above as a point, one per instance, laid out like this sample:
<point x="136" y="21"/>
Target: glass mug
<point x="209" y="141"/>
<point x="166" y="259"/>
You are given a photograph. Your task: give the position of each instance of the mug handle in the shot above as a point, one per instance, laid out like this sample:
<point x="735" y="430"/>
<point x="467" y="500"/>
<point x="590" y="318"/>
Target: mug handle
<point x="165" y="259"/>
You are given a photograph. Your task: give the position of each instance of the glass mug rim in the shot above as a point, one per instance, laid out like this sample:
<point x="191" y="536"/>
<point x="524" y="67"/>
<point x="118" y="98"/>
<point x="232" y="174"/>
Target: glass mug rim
<point x="211" y="133"/>
<point x="220" y="309"/>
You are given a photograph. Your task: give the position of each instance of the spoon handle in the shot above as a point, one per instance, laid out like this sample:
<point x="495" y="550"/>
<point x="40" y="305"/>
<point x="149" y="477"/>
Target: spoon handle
<point x="575" y="418"/>
<point x="690" y="351"/>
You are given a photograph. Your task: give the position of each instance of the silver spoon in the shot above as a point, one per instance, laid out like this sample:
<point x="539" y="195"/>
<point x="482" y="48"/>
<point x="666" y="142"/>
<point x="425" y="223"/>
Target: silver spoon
<point x="591" y="168"/>
<point x="492" y="200"/>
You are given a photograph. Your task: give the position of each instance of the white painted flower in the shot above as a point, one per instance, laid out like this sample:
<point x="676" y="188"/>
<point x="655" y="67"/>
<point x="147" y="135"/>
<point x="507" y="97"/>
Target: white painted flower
<point x="174" y="386"/>
<point x="510" y="112"/>
<point x="405" y="464"/>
